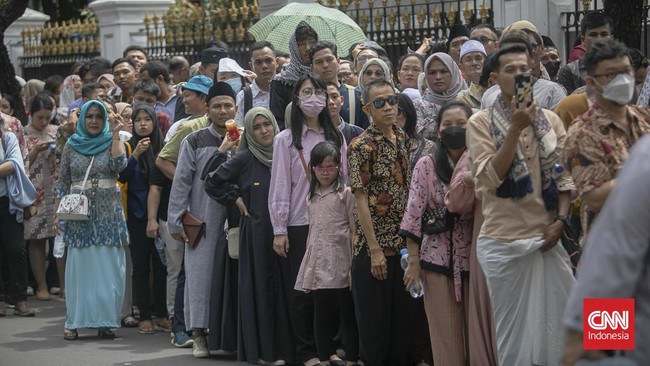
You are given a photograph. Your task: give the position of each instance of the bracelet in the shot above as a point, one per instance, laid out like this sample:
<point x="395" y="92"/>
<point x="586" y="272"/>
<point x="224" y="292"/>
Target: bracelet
<point x="565" y="219"/>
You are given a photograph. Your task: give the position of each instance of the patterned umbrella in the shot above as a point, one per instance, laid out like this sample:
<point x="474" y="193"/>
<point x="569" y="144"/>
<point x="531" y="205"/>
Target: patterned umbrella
<point x="331" y="25"/>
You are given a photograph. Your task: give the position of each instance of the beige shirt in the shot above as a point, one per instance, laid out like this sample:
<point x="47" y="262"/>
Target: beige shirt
<point x="508" y="219"/>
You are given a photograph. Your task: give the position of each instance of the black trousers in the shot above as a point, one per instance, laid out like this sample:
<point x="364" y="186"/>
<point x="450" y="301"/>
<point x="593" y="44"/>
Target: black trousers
<point x="301" y="305"/>
<point x="143" y="254"/>
<point x="14" y="253"/>
<point x="330" y="305"/>
<point x="384" y="311"/>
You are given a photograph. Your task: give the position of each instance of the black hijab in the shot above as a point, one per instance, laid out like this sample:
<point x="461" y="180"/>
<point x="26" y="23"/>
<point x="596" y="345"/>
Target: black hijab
<point x="148" y="158"/>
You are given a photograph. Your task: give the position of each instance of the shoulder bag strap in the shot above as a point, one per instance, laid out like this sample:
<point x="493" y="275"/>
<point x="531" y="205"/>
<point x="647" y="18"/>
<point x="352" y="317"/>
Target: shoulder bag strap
<point x="83" y="185"/>
<point x="304" y="166"/>
<point x="248" y="99"/>
<point x="353" y="107"/>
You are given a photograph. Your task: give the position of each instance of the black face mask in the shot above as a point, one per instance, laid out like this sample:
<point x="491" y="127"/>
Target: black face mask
<point x="453" y="137"/>
<point x="552" y="67"/>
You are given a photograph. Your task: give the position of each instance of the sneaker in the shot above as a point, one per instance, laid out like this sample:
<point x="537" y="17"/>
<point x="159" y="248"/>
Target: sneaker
<point x="55" y="290"/>
<point x="30" y="291"/>
<point x="182" y="340"/>
<point x="200" y="348"/>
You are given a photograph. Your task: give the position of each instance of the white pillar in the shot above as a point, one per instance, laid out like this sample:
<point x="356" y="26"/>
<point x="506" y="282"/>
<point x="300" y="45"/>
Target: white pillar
<point x="121" y="23"/>
<point x="14" y="42"/>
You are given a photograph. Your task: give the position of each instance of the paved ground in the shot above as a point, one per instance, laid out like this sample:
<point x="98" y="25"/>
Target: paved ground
<point x="39" y="341"/>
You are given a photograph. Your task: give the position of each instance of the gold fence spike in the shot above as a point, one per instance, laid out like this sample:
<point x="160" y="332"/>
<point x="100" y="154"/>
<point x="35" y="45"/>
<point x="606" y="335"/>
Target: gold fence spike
<point x="484" y="12"/>
<point x="377" y="21"/>
<point x="435" y="15"/>
<point x="233" y="12"/>
<point x="586" y="4"/>
<point x="240" y="31"/>
<point x="421" y="17"/>
<point x="451" y="16"/>
<point x="371" y="4"/>
<point x="392" y="20"/>
<point x="229" y="33"/>
<point x="406" y="19"/>
<point x="467" y="13"/>
<point x="344" y="4"/>
<point x="357" y="3"/>
<point x="364" y="22"/>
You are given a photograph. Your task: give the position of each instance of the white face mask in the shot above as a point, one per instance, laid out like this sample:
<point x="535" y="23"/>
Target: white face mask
<point x="620" y="90"/>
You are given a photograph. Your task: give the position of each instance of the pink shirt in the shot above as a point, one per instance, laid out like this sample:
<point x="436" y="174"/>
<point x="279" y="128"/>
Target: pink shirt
<point x="328" y="257"/>
<point x="289" y="184"/>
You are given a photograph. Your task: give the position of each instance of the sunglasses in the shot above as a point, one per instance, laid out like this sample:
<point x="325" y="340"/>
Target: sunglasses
<point x="379" y="103"/>
<point x="377" y="73"/>
<point x="325" y="169"/>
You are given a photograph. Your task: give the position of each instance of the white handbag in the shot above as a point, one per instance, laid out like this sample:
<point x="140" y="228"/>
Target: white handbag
<point x="233" y="242"/>
<point x="76" y="206"/>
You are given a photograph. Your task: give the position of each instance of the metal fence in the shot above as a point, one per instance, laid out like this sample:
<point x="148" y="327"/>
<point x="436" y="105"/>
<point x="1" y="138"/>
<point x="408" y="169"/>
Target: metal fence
<point x="400" y="26"/>
<point x="186" y="29"/>
<point x="54" y="48"/>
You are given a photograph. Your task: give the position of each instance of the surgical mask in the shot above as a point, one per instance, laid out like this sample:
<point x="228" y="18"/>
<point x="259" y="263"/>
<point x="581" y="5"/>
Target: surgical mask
<point x="312" y="105"/>
<point x="235" y="84"/>
<point x="620" y="90"/>
<point x="453" y="137"/>
<point x="552" y="67"/>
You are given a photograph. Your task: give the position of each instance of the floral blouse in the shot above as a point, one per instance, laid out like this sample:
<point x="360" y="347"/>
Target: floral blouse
<point x="381" y="169"/>
<point x="427" y="191"/>
<point x="426" y="124"/>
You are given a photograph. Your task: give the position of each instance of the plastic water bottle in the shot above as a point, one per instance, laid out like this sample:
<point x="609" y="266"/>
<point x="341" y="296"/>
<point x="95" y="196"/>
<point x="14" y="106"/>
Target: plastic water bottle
<point x="160" y="247"/>
<point x="414" y="288"/>
<point x="558" y="170"/>
<point x="59" y="245"/>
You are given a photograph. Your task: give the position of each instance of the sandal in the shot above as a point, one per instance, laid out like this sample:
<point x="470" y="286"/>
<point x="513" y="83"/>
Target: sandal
<point x="23" y="310"/>
<point x="105" y="333"/>
<point x="163" y="324"/>
<point x="130" y="322"/>
<point x="146" y="327"/>
<point x="70" y="334"/>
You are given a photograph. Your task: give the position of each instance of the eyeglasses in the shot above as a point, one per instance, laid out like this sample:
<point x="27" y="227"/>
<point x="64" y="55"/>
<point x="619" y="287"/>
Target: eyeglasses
<point x="377" y="73"/>
<point x="483" y="39"/>
<point x="611" y="75"/>
<point x="379" y="103"/>
<point x="364" y="58"/>
<point x="310" y="92"/>
<point x="345" y="75"/>
<point x="325" y="169"/>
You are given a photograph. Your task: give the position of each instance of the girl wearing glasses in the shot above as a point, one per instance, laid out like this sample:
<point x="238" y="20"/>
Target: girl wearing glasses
<point x="310" y="123"/>
<point x="325" y="268"/>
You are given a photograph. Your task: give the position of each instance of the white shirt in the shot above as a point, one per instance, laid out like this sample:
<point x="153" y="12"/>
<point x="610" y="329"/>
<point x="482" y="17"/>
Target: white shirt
<point x="261" y="98"/>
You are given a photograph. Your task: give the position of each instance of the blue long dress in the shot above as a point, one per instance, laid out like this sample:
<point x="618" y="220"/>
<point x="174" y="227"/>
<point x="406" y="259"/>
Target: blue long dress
<point x="96" y="262"/>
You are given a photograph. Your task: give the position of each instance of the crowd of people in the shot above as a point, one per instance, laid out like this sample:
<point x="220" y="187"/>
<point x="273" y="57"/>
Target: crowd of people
<point x="360" y="211"/>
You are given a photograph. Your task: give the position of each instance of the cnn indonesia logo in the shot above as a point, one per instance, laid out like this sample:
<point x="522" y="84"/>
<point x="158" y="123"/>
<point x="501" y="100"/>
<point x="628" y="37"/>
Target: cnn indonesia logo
<point x="608" y="324"/>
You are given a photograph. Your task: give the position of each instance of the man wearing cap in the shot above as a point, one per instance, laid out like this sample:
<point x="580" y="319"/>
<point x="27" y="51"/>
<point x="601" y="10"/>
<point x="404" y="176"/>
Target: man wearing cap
<point x="282" y="85"/>
<point x="536" y="44"/>
<point x="210" y="274"/>
<point x="193" y="95"/>
<point x="472" y="57"/>
<point x="458" y="34"/>
<point x="263" y="63"/>
<point x="194" y="100"/>
<point x="210" y="58"/>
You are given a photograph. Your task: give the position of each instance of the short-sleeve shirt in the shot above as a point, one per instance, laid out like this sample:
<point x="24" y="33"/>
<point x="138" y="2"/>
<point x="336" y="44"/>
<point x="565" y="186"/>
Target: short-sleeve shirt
<point x="172" y="148"/>
<point x="381" y="169"/>
<point x="597" y="147"/>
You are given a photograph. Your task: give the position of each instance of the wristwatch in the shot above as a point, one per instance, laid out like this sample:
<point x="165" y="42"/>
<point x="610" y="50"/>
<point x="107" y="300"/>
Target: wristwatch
<point x="562" y="218"/>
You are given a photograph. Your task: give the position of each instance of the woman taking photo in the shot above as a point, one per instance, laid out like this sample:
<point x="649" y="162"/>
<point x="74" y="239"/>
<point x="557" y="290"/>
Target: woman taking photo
<point x="310" y="124"/>
<point x="40" y="136"/>
<point x="444" y="256"/>
<point x="145" y="144"/>
<point x="95" y="260"/>
<point x="444" y="81"/>
<point x="264" y="329"/>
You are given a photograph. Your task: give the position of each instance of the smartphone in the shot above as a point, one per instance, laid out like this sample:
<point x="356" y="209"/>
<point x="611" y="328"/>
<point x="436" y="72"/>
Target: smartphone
<point x="523" y="90"/>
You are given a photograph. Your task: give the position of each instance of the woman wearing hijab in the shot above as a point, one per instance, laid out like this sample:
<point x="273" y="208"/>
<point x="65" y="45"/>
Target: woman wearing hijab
<point x="145" y="144"/>
<point x="282" y="86"/>
<point x="94" y="273"/>
<point x="31" y="88"/>
<point x="264" y="331"/>
<point x="444" y="81"/>
<point x="107" y="81"/>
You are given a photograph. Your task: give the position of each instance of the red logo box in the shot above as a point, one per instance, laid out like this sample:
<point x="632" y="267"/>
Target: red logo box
<point x="608" y="324"/>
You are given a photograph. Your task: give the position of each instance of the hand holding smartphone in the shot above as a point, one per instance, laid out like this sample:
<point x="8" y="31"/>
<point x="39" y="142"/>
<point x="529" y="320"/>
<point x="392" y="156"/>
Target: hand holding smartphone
<point x="523" y="90"/>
